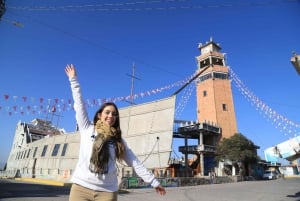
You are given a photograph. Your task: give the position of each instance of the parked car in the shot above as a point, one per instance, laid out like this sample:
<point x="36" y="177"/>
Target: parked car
<point x="269" y="174"/>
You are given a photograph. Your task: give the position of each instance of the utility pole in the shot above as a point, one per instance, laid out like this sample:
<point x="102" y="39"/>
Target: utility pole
<point x="133" y="77"/>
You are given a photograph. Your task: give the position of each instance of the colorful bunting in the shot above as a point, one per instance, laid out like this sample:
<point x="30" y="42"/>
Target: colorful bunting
<point x="44" y="105"/>
<point x="282" y="123"/>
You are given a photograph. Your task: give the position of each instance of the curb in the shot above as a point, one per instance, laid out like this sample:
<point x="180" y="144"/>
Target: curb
<point x="44" y="181"/>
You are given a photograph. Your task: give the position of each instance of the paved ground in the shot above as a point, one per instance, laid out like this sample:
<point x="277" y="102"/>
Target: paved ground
<point x="275" y="190"/>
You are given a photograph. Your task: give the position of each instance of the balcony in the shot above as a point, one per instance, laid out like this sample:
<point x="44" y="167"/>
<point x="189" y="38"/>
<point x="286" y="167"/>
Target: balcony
<point x="197" y="149"/>
<point x="187" y="129"/>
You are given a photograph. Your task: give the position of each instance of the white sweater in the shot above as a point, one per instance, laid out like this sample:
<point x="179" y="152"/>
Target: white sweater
<point x="82" y="175"/>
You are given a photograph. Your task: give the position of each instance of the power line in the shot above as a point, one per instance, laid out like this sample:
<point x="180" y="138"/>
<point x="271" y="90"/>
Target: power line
<point x="95" y="44"/>
<point x="156" y="5"/>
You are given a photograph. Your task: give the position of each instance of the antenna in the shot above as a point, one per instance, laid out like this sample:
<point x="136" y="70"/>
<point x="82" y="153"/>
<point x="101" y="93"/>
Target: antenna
<point x="52" y="111"/>
<point x="132" y="83"/>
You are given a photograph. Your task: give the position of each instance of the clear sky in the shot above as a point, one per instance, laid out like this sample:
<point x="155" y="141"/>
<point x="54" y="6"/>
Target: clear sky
<point x="105" y="38"/>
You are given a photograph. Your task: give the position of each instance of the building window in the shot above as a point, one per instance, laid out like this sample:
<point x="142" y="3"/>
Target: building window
<point x="28" y="153"/>
<point x="55" y="149"/>
<point x="224" y="107"/>
<point x="204" y="63"/>
<point x="204" y="93"/>
<point x="217" y="61"/>
<point x="205" y="77"/>
<point x="44" y="150"/>
<point x="63" y="153"/>
<point x="219" y="75"/>
<point x="34" y="153"/>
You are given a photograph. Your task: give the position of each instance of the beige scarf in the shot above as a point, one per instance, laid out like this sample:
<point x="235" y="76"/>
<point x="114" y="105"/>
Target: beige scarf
<point x="100" y="152"/>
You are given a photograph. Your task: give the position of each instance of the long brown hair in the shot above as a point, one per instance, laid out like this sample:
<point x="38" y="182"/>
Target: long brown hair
<point x="120" y="147"/>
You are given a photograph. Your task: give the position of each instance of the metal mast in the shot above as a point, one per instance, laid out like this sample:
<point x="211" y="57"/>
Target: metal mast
<point x="132" y="84"/>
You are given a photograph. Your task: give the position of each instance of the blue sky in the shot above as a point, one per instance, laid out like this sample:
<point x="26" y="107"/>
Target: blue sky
<point x="104" y="38"/>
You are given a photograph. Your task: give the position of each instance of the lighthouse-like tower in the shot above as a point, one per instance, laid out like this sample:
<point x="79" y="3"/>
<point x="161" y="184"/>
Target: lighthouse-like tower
<point x="214" y="95"/>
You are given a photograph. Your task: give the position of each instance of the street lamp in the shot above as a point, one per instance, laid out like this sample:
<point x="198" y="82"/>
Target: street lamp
<point x="295" y="60"/>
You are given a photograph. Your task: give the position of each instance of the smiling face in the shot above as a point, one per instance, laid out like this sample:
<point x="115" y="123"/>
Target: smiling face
<point x="108" y="115"/>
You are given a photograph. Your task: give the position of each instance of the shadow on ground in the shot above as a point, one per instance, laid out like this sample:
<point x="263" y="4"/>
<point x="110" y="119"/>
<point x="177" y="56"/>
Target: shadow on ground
<point x="296" y="195"/>
<point x="19" y="189"/>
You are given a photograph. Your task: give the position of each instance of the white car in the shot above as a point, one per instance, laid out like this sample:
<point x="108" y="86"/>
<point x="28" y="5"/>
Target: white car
<point x="269" y="175"/>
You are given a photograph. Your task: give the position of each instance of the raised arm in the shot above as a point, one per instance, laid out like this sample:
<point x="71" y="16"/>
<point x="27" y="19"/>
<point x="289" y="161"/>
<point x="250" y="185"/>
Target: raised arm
<point x="70" y="71"/>
<point x="79" y="106"/>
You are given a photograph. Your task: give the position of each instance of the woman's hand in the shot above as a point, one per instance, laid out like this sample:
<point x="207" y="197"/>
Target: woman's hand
<point x="161" y="190"/>
<point x="70" y="71"/>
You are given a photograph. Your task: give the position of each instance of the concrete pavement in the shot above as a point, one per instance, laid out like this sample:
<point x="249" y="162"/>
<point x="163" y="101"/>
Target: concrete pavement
<point x="275" y="190"/>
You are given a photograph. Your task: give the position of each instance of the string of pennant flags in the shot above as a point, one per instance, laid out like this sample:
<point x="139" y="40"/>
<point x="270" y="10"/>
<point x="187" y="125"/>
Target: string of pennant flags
<point x="24" y="105"/>
<point x="188" y="91"/>
<point x="280" y="122"/>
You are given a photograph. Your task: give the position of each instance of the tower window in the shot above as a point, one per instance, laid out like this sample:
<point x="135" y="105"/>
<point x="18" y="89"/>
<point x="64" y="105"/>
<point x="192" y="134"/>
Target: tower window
<point x="222" y="76"/>
<point x="204" y="93"/>
<point x="205" y="77"/>
<point x="204" y="63"/>
<point x="217" y="61"/>
<point x="224" y="106"/>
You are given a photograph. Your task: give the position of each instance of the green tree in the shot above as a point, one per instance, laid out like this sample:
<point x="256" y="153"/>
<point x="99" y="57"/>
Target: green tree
<point x="237" y="149"/>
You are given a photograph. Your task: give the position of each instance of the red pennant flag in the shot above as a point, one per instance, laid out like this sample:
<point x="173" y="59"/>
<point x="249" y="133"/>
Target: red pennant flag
<point x="53" y="109"/>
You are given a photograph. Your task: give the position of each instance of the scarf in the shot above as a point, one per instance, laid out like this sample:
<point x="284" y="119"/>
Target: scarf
<point x="100" y="151"/>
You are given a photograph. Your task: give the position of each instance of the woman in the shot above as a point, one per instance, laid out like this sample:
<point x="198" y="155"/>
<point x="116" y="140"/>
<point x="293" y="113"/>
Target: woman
<point x="101" y="145"/>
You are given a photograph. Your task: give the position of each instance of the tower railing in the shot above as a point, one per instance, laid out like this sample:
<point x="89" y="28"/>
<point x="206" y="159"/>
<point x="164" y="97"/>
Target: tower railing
<point x="181" y="126"/>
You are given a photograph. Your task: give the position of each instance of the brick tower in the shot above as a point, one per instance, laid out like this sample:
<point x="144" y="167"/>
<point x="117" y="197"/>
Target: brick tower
<point x="214" y="94"/>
